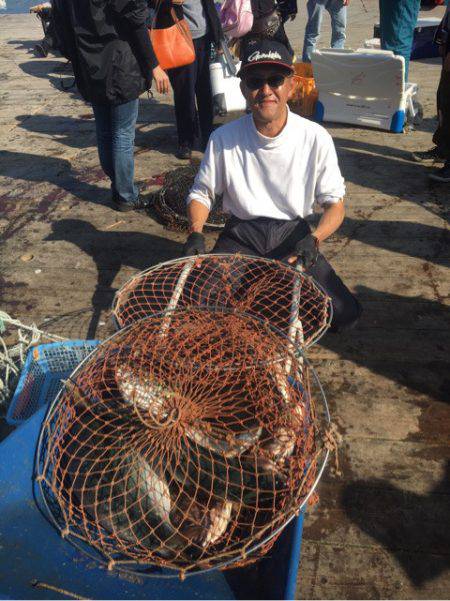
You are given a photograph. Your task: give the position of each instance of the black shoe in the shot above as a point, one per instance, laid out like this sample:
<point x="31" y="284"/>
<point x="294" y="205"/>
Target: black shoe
<point x="441" y="175"/>
<point x="41" y="50"/>
<point x="433" y="155"/>
<point x="184" y="152"/>
<point x="124" y="207"/>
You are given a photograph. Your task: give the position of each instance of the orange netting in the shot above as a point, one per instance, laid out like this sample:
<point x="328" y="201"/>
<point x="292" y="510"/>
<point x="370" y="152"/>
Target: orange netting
<point x="186" y="442"/>
<point x="271" y="290"/>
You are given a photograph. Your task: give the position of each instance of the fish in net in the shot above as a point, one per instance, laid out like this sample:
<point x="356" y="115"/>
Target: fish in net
<point x="185" y="442"/>
<point x="169" y="202"/>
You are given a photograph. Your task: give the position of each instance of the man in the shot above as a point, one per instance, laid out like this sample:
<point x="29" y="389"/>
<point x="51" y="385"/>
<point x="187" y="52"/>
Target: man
<point x="398" y="19"/>
<point x="338" y="13"/>
<point x="272" y="166"/>
<point x="440" y="153"/>
<point x="113" y="61"/>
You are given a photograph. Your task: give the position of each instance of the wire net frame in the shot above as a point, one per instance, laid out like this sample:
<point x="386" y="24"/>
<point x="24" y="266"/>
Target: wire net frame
<point x="105" y="396"/>
<point x="286" y="298"/>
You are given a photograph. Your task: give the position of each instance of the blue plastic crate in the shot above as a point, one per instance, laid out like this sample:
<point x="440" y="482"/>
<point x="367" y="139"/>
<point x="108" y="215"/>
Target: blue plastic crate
<point x="40" y="381"/>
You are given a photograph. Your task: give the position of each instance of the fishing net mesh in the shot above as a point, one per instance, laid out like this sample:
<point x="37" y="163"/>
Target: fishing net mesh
<point x="169" y="202"/>
<point x="271" y="290"/>
<point x="184" y="442"/>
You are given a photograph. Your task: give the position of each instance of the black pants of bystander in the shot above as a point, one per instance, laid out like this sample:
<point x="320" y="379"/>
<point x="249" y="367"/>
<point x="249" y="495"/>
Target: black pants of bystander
<point x="193" y="98"/>
<point x="442" y="135"/>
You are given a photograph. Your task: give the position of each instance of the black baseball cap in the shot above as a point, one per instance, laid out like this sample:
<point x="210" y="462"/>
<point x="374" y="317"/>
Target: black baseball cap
<point x="265" y="52"/>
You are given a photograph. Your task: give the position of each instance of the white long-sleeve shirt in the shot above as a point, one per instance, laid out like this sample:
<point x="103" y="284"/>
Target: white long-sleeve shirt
<point x="281" y="177"/>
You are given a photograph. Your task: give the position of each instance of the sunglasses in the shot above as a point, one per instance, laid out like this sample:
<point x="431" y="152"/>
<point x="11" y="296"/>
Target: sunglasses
<point x="273" y="81"/>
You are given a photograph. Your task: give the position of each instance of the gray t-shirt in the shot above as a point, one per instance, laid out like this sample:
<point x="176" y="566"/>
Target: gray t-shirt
<point x="195" y="16"/>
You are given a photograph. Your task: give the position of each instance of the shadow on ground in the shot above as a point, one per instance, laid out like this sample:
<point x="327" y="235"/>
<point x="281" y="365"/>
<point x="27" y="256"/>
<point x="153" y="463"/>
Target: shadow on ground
<point x="50" y="170"/>
<point x="111" y="251"/>
<point x="418" y="240"/>
<point x="410" y="526"/>
<point x="25" y="44"/>
<point x="395" y="339"/>
<point x="391" y="171"/>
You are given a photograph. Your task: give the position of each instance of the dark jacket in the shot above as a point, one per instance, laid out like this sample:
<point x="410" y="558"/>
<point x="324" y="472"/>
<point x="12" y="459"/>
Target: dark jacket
<point x="108" y="45"/>
<point x="212" y="17"/>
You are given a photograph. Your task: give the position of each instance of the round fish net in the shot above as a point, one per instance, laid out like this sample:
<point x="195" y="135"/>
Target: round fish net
<point x="169" y="202"/>
<point x="273" y="291"/>
<point x="185" y="442"/>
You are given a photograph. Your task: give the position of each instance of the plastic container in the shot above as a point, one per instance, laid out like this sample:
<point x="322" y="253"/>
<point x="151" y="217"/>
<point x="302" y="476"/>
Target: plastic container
<point x="305" y="94"/>
<point x="40" y="381"/>
<point x="362" y="87"/>
<point x="37" y="563"/>
<point x="226" y="91"/>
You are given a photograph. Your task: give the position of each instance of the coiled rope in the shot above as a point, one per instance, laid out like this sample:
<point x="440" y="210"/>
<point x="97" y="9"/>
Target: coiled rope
<point x="13" y="357"/>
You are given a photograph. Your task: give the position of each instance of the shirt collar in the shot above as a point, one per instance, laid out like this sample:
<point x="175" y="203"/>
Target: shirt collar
<point x="266" y="141"/>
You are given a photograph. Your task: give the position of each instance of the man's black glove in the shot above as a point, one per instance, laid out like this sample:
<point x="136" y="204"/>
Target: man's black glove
<point x="307" y="250"/>
<point x="194" y="245"/>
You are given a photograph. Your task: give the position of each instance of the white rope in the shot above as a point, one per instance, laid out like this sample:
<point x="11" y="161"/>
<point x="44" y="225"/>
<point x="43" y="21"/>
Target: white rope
<point x="13" y="357"/>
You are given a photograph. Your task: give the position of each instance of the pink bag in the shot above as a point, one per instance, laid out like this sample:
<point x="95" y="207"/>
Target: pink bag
<point x="236" y="17"/>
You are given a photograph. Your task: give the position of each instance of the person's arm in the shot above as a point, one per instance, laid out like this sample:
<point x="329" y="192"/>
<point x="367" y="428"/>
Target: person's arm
<point x="307" y="249"/>
<point x="331" y="220"/>
<point x="208" y="183"/>
<point x="329" y="194"/>
<point x="198" y="215"/>
<point x="134" y="14"/>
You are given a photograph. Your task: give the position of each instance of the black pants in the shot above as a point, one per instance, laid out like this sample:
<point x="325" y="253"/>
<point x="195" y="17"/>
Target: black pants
<point x="442" y="135"/>
<point x="193" y="97"/>
<point x="276" y="239"/>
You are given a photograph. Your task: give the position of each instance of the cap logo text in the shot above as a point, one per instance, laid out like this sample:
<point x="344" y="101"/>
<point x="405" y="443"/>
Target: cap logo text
<point x="257" y="56"/>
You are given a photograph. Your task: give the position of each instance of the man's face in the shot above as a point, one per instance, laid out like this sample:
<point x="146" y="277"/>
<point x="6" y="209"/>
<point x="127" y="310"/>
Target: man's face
<point x="267" y="89"/>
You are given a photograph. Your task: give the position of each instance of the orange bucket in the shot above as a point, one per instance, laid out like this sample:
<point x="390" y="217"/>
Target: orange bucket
<point x="305" y="94"/>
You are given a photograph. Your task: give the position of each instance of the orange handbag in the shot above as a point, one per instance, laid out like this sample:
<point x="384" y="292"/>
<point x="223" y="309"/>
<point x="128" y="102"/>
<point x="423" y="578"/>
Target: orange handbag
<point x="173" y="45"/>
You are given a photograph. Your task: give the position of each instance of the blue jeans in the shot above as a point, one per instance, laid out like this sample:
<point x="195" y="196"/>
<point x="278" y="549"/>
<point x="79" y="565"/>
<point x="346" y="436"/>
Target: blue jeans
<point x="397" y="22"/>
<point x="338" y="14"/>
<point x="115" y="126"/>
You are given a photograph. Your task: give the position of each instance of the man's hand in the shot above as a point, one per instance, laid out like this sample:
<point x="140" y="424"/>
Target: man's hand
<point x="346" y="2"/>
<point x="306" y="251"/>
<point x="161" y="80"/>
<point x="195" y="245"/>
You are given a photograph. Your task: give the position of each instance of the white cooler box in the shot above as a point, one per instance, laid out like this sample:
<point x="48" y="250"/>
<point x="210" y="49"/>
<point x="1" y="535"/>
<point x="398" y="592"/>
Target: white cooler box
<point x="227" y="95"/>
<point x="363" y="87"/>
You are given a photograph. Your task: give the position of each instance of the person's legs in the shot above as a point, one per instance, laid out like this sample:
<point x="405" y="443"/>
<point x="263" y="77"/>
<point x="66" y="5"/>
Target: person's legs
<point x="440" y="153"/>
<point x="123" y="117"/>
<point x="183" y="81"/>
<point x="338" y="14"/>
<point x="442" y="134"/>
<point x="346" y="307"/>
<point x="397" y="21"/>
<point x="103" y="127"/>
<point x="315" y="10"/>
<point x="203" y="91"/>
